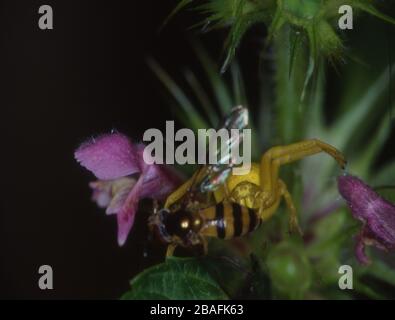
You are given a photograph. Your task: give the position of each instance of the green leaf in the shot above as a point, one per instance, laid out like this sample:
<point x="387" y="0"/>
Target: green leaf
<point x="330" y="43"/>
<point x="183" y="101"/>
<point x="240" y="25"/>
<point x="236" y="32"/>
<point x="295" y="39"/>
<point x="387" y="192"/>
<point x="369" y="8"/>
<point x="315" y="113"/>
<point x="238" y="87"/>
<point x="364" y="289"/>
<point x="386" y="175"/>
<point x="180" y="6"/>
<point x="276" y="24"/>
<point x="314" y="39"/>
<point x="345" y="126"/>
<point x="382" y="271"/>
<point x="221" y="92"/>
<point x="288" y="109"/>
<point x="177" y="278"/>
<point x="203" y="98"/>
<point x="372" y="150"/>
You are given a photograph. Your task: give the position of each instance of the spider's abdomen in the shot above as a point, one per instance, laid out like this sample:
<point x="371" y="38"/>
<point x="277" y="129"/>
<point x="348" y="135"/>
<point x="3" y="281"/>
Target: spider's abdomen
<point x="246" y="194"/>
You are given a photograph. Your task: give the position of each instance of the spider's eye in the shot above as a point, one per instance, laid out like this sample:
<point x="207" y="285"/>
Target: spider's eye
<point x="184" y="224"/>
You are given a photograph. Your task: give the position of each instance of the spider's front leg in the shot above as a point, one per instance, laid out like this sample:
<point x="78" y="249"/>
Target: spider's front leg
<point x="178" y="193"/>
<point x="293" y="215"/>
<point x="280" y="155"/>
<point x="170" y="250"/>
<point x="184" y="189"/>
<point x="272" y="187"/>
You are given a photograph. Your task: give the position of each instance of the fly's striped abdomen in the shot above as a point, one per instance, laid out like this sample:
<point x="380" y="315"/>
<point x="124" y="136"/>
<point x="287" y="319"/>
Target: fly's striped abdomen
<point x="229" y="220"/>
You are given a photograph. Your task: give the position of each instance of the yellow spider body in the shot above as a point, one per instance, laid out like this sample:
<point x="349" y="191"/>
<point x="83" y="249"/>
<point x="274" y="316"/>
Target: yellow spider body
<point x="241" y="199"/>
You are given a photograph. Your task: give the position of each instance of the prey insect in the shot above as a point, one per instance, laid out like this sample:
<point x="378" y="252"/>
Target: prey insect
<point x="216" y="203"/>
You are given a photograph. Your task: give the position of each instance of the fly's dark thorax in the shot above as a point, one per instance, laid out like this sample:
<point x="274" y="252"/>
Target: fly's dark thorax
<point x="228" y="220"/>
<point x="180" y="227"/>
<point x="173" y="223"/>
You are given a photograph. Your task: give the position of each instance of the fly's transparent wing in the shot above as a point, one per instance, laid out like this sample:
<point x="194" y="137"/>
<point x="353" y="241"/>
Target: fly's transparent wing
<point x="218" y="172"/>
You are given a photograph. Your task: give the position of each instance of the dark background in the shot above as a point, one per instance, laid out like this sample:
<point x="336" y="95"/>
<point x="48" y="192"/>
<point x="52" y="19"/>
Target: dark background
<point x="57" y="88"/>
<point x="86" y="76"/>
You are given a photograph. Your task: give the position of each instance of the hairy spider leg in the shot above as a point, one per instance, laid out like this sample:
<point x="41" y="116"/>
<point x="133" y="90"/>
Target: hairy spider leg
<point x="273" y="188"/>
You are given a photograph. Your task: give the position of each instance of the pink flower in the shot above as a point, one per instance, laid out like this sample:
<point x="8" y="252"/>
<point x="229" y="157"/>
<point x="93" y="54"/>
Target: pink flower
<point x="124" y="177"/>
<point x="376" y="214"/>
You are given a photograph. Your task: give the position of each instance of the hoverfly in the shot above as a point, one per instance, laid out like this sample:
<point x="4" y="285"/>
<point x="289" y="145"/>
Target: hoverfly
<point x="216" y="203"/>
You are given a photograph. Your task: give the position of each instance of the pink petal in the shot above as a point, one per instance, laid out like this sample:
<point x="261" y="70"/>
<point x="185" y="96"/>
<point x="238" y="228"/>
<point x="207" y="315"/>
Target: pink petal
<point x="112" y="158"/>
<point x="120" y="190"/>
<point x="127" y="213"/>
<point x="125" y="224"/>
<point x="155" y="182"/>
<point x="358" y="194"/>
<point x="101" y="192"/>
<point x="369" y="207"/>
<point x="159" y="182"/>
<point x="360" y="250"/>
<point x="376" y="213"/>
<point x="109" y="156"/>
